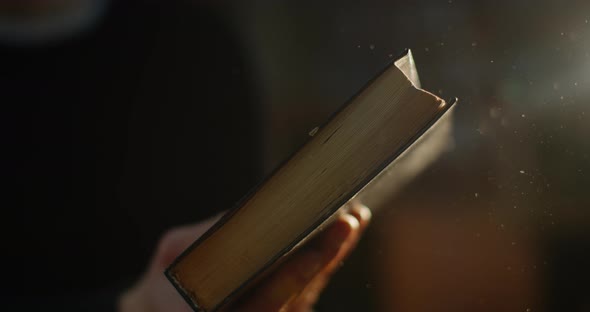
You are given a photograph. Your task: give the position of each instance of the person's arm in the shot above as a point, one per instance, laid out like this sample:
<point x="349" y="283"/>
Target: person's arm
<point x="294" y="286"/>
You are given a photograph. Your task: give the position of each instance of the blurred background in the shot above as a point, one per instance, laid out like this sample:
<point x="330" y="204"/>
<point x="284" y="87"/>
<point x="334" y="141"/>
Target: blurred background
<point x="501" y="222"/>
<point x="498" y="223"/>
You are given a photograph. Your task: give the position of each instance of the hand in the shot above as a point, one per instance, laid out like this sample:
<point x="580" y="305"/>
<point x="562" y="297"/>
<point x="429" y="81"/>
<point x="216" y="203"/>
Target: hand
<point x="294" y="287"/>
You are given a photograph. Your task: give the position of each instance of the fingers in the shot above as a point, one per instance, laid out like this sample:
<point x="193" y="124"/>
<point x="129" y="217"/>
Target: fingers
<point x="363" y="216"/>
<point x="292" y="277"/>
<point x="361" y="213"/>
<point x="308" y="297"/>
<point x="307" y="272"/>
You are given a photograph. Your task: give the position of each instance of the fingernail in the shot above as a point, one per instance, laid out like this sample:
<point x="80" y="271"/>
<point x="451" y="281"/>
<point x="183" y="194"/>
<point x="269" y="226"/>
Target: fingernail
<point x="338" y="232"/>
<point x="347" y="224"/>
<point x="362" y="213"/>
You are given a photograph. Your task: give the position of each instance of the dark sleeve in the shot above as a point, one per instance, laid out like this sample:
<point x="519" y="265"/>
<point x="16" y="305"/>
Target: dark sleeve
<point x="162" y="130"/>
<point x="102" y="300"/>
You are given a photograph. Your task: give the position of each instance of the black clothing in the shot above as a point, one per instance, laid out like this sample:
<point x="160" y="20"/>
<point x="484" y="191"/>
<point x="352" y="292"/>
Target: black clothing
<point x="110" y="138"/>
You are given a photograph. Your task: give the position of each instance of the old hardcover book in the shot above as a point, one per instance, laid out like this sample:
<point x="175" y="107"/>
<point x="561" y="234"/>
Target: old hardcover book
<point x="354" y="154"/>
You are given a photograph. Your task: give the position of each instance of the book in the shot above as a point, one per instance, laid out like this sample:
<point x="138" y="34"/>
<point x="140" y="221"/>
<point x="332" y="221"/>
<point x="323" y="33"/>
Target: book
<point x="355" y="154"/>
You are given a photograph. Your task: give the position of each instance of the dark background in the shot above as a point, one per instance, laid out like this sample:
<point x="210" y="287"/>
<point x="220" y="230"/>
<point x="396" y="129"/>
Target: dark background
<point x="137" y="129"/>
<point x="498" y="224"/>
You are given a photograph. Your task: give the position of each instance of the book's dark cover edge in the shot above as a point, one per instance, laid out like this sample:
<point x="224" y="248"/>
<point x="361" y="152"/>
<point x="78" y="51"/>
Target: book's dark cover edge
<point x="253" y="190"/>
<point x="169" y="271"/>
<point x="336" y="206"/>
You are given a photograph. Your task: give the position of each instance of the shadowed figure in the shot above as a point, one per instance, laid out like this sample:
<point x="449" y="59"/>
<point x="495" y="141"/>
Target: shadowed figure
<point x="122" y="121"/>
